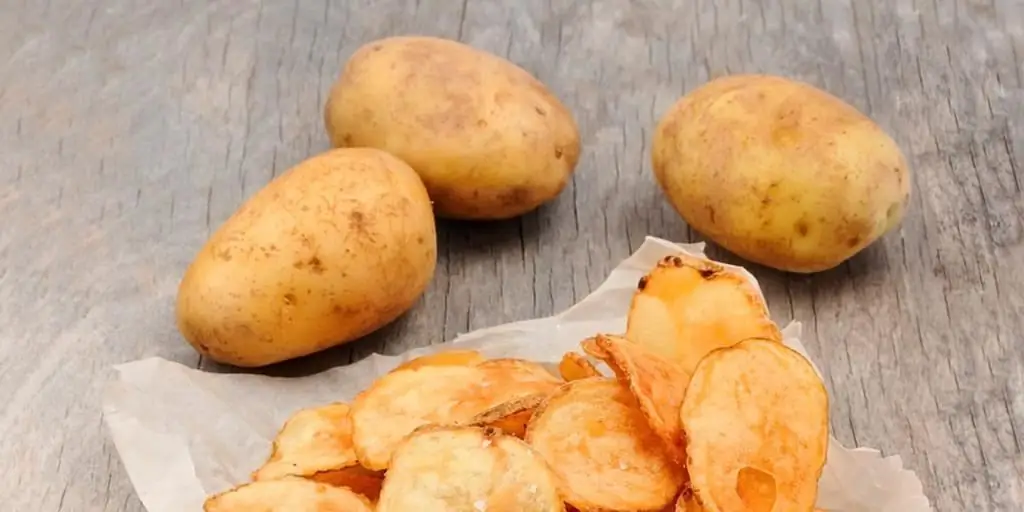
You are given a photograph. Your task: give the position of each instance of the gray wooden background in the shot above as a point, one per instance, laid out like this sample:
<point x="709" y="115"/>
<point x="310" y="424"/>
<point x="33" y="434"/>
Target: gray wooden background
<point x="131" y="128"/>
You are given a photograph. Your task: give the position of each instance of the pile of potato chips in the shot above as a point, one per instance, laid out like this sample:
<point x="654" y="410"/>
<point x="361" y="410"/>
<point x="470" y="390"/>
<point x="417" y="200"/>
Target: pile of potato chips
<point x="704" y="410"/>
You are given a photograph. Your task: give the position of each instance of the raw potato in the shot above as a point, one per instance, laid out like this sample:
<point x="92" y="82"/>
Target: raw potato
<point x="316" y="443"/>
<point x="756" y="422"/>
<point x="658" y="385"/>
<point x="687" y="307"/>
<point x="595" y="438"/>
<point x="780" y="172"/>
<point x="489" y="140"/>
<point x="333" y="249"/>
<point x="446" y="358"/>
<point x="400" y="402"/>
<point x="287" y="495"/>
<point x="468" y="469"/>
<point x="575" y="367"/>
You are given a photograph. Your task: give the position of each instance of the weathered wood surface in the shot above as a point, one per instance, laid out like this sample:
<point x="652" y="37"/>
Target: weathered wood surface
<point x="129" y="129"/>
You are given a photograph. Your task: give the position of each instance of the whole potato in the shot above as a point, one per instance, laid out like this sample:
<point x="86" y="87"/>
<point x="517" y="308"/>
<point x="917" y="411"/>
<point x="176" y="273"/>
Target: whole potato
<point x="487" y="138"/>
<point x="779" y="172"/>
<point x="336" y="247"/>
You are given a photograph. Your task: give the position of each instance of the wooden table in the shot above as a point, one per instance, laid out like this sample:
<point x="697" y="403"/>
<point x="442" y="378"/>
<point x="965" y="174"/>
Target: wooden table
<point x="130" y="129"/>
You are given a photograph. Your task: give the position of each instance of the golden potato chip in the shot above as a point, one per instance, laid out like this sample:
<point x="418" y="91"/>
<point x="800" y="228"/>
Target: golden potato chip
<point x="688" y="306"/>
<point x="575" y="367"/>
<point x="597" y="441"/>
<point x="446" y="358"/>
<point x="289" y="494"/>
<point x="403" y="401"/>
<point x="468" y="469"/>
<point x="658" y="385"/>
<point x="687" y="502"/>
<point x="510" y="417"/>
<point x="316" y="443"/>
<point x="520" y="368"/>
<point x="756" y="422"/>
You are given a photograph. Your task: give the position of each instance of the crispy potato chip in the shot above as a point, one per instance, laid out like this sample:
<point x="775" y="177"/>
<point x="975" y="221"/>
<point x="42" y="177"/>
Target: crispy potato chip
<point x="468" y="469"/>
<point x="756" y="422"/>
<point x="403" y="401"/>
<point x="289" y="494"/>
<point x="575" y="367"/>
<point x="446" y="358"/>
<point x="316" y="443"/>
<point x="521" y="368"/>
<point x="356" y="478"/>
<point x="510" y="417"/>
<point x="595" y="438"/>
<point x="687" y="502"/>
<point x="658" y="385"/>
<point x="687" y="307"/>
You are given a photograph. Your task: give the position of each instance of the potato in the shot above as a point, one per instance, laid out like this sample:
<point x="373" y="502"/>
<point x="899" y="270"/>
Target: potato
<point x="779" y="172"/>
<point x="331" y="250"/>
<point x="489" y="140"/>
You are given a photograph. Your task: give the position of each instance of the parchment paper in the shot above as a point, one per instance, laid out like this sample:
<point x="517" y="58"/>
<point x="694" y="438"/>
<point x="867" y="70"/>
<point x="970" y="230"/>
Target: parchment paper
<point x="184" y="434"/>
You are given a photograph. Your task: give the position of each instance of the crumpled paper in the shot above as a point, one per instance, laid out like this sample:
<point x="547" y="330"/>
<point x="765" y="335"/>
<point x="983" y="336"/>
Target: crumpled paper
<point x="184" y="434"/>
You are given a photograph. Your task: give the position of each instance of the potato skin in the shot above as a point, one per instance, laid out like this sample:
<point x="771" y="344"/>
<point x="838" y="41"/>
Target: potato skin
<point x="779" y="172"/>
<point x="489" y="140"/>
<point x="336" y="247"/>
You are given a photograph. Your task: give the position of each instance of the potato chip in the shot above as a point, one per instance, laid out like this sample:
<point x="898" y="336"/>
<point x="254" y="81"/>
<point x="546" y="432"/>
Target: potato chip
<point x="446" y="358"/>
<point x="403" y="401"/>
<point x="575" y="367"/>
<point x="687" y="502"/>
<point x="756" y="422"/>
<point x="468" y="469"/>
<point x="597" y="441"/>
<point x="289" y="494"/>
<point x="521" y="368"/>
<point x="687" y="307"/>
<point x="658" y="385"/>
<point x="510" y="417"/>
<point x="316" y="443"/>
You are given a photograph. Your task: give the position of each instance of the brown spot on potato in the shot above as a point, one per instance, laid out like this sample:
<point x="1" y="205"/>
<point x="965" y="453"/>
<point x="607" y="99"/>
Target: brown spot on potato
<point x="853" y="241"/>
<point x="290" y="299"/>
<point x="315" y="265"/>
<point x="558" y="153"/>
<point x="540" y="111"/>
<point x="482" y="123"/>
<point x="346" y="139"/>
<point x="514" y="196"/>
<point x="892" y="210"/>
<point x="802" y="228"/>
<point x="642" y="283"/>
<point x="711" y="213"/>
<point x="677" y="261"/>
<point x="223" y="254"/>
<point x="357" y="221"/>
<point x="706" y="273"/>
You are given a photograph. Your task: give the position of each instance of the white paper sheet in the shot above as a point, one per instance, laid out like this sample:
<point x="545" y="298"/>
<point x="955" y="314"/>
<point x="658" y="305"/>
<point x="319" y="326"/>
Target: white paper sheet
<point x="184" y="434"/>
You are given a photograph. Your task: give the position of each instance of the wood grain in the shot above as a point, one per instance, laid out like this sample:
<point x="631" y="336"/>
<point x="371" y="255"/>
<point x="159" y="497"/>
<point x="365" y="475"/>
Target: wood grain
<point x="130" y="129"/>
